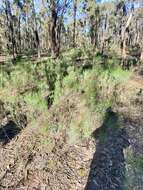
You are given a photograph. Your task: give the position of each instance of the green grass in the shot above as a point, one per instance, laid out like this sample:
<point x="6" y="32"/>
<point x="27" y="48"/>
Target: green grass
<point x="59" y="77"/>
<point x="120" y="75"/>
<point x="36" y="105"/>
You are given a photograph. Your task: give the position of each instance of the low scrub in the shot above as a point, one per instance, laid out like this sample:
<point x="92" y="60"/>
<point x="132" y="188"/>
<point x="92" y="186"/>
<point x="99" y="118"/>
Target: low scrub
<point x="77" y="94"/>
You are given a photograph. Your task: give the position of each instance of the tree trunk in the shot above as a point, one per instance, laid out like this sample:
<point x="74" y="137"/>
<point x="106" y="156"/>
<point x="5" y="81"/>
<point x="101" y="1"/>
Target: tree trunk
<point x="124" y="38"/>
<point x="10" y="26"/>
<point x="141" y="57"/>
<point x="19" y="25"/>
<point x="54" y="45"/>
<point x="36" y="32"/>
<point x="74" y="24"/>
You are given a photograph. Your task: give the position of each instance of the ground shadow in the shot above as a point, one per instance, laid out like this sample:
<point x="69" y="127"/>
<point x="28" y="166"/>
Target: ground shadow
<point x="107" y="170"/>
<point x="8" y="132"/>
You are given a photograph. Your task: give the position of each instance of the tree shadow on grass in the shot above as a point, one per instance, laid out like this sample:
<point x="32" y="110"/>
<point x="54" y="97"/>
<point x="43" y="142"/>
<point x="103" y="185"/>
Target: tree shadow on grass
<point x="8" y="132"/>
<point x="107" y="170"/>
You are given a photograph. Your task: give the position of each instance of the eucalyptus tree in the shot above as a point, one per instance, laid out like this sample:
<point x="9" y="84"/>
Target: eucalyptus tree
<point x="75" y="20"/>
<point x="10" y="35"/>
<point x="57" y="10"/>
<point x="52" y="25"/>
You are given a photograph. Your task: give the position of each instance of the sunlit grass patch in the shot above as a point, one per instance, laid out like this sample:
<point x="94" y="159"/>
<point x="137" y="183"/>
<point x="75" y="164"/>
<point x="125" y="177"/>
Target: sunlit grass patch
<point x="36" y="101"/>
<point x="120" y="75"/>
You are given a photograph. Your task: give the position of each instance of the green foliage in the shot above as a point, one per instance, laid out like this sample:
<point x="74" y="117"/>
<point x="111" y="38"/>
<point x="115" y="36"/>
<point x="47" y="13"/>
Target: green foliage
<point x="73" y="54"/>
<point x="20" y="78"/>
<point x="56" y="79"/>
<point x="25" y="88"/>
<point x="61" y="68"/>
<point x="71" y="80"/>
<point x="36" y="104"/>
<point x="97" y="60"/>
<point x="90" y="87"/>
<point x="65" y="84"/>
<point x="98" y="87"/>
<point x="50" y="74"/>
<point x="119" y="74"/>
<point x="58" y="91"/>
<point x="95" y="86"/>
<point x="3" y="78"/>
<point x="36" y="101"/>
<point x="55" y="71"/>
